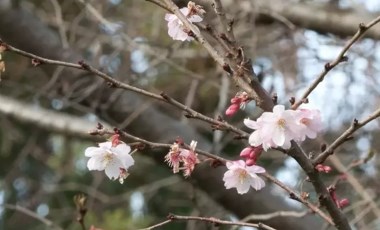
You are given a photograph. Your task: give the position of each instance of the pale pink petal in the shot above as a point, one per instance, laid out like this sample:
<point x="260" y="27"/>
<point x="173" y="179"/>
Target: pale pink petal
<point x="278" y="136"/>
<point x="93" y="151"/>
<point x="112" y="169"/>
<point x="244" y="186"/>
<point x="195" y="18"/>
<point x="170" y="17"/>
<point x="251" y="124"/>
<point x="254" y="169"/>
<point x="257" y="183"/>
<point x="96" y="163"/>
<point x="105" y="145"/>
<point x="278" y="109"/>
<point x="121" y="149"/>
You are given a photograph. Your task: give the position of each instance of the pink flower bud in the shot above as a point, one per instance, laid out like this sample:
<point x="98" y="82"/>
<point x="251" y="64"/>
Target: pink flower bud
<point x="115" y="140"/>
<point x="343" y="176"/>
<point x="323" y="168"/>
<point x="319" y="168"/>
<point x="235" y="100"/>
<point x="232" y="109"/>
<point x="250" y="162"/>
<point x="246" y="152"/>
<point x="344" y="202"/>
<point x="326" y="169"/>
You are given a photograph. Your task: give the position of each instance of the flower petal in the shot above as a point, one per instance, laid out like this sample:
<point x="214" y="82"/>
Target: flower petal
<point x="96" y="163"/>
<point x="112" y="169"/>
<point x="93" y="151"/>
<point x="257" y="183"/>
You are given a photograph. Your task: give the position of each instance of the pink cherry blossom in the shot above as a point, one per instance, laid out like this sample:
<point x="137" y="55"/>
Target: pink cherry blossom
<point x="187" y="157"/>
<point x="275" y="128"/>
<point x="113" y="159"/>
<point x="242" y="177"/>
<point x="174" y="157"/>
<point x="176" y="29"/>
<point x="310" y="123"/>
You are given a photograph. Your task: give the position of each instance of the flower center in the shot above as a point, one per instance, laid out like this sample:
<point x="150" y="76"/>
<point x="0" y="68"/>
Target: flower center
<point x="242" y="176"/>
<point x="281" y="122"/>
<point x="305" y="121"/>
<point x="107" y="158"/>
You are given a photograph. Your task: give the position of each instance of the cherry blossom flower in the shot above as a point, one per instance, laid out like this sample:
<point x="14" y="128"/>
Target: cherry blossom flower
<point x="275" y="128"/>
<point x="114" y="159"/>
<point x="242" y="177"/>
<point x="190" y="159"/>
<point x="310" y="122"/>
<point x="187" y="157"/>
<point x="174" y="157"/>
<point x="176" y="29"/>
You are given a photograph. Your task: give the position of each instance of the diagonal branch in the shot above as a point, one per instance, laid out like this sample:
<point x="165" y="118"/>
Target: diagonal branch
<point x="344" y="137"/>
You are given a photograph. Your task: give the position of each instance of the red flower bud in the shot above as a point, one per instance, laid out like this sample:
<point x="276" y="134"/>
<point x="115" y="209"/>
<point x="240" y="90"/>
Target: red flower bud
<point x="327" y="169"/>
<point x="232" y="109"/>
<point x="250" y="162"/>
<point x="344" y="202"/>
<point x="246" y="152"/>
<point x="235" y="100"/>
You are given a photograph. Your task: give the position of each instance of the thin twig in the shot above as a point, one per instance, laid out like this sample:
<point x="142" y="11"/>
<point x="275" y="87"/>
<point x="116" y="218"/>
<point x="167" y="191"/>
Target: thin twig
<point x="344" y="137"/>
<point x="113" y="82"/>
<point x="32" y="214"/>
<point x="340" y="58"/>
<point x="293" y="195"/>
<point x="213" y="220"/>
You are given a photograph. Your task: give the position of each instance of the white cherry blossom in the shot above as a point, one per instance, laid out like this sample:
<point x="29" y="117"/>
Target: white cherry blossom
<point x="243" y="177"/>
<point x="113" y="159"/>
<point x="176" y="29"/>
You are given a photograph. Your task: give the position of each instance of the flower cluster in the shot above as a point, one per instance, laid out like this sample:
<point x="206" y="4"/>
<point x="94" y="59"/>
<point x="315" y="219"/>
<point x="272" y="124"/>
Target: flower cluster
<point x="187" y="157"/>
<point x="238" y="102"/>
<point x="176" y="29"/>
<point x="242" y="177"/>
<point x="112" y="156"/>
<point x="280" y="127"/>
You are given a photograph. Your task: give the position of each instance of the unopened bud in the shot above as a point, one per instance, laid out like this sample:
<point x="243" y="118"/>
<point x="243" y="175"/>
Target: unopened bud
<point x="232" y="109"/>
<point x="344" y="202"/>
<point x="250" y="162"/>
<point x="246" y="152"/>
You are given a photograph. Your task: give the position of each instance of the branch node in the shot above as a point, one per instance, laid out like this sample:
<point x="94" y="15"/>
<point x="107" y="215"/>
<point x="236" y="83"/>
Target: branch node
<point x="164" y="96"/>
<point x="328" y="66"/>
<point x="355" y="123"/>
<point x="170" y="216"/>
<point x="227" y="68"/>
<point x="84" y="65"/>
<point x="292" y="100"/>
<point x="36" y="62"/>
<point x="274" y="98"/>
<point x="362" y="27"/>
<point x="343" y="58"/>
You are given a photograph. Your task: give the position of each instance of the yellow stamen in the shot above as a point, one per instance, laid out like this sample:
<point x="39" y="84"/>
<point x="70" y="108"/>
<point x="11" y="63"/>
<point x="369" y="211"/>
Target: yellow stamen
<point x="281" y="122"/>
